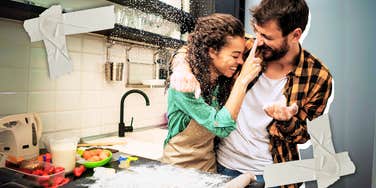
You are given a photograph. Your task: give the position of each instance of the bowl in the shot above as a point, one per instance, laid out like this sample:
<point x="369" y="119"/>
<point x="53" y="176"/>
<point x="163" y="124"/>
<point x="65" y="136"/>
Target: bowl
<point x="93" y="164"/>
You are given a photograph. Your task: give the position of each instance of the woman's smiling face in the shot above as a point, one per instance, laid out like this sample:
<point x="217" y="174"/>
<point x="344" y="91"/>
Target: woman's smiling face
<point x="229" y="57"/>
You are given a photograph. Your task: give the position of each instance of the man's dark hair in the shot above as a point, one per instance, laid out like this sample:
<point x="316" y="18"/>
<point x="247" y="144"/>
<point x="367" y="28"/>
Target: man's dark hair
<point x="289" y="14"/>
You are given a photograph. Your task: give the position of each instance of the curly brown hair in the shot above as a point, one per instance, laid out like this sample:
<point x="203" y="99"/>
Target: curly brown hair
<point x="211" y="32"/>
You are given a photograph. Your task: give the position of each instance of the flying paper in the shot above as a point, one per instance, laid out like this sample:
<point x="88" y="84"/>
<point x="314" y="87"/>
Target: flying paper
<point x="52" y="26"/>
<point x="326" y="167"/>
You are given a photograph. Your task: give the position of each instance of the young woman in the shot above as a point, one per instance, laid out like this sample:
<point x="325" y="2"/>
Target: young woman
<point x="214" y="53"/>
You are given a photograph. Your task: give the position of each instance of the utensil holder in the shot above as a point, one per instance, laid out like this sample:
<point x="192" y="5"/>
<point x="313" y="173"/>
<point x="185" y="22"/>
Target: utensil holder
<point x="114" y="71"/>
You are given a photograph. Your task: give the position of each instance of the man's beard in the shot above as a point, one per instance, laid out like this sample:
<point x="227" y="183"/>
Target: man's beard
<point x="270" y="54"/>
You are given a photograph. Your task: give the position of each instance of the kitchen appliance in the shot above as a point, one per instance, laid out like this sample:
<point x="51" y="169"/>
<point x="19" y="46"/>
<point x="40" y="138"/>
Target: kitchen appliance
<point x="19" y="136"/>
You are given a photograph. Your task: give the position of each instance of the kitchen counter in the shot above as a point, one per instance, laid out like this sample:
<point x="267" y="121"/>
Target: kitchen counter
<point x="150" y="173"/>
<point x="143" y="142"/>
<point x="9" y="178"/>
<point x="86" y="179"/>
<point x="147" y="144"/>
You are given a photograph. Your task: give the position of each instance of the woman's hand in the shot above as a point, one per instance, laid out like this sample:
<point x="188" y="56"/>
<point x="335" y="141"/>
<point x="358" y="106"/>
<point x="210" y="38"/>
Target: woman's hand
<point x="251" y="67"/>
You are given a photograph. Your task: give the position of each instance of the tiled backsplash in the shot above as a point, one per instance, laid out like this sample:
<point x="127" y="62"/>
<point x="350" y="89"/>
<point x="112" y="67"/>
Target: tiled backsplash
<point x="81" y="103"/>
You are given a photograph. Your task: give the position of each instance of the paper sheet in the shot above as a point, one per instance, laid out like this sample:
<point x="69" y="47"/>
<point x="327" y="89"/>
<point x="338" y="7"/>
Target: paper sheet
<point x="52" y="33"/>
<point x="326" y="167"/>
<point x="52" y="26"/>
<point x="83" y="21"/>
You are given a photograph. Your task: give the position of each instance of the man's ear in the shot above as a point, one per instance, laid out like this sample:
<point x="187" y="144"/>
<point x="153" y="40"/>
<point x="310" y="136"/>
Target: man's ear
<point x="296" y="34"/>
<point x="212" y="53"/>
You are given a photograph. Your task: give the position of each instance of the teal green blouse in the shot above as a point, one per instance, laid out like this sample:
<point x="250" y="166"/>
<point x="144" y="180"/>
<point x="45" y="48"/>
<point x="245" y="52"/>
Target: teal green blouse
<point x="182" y="107"/>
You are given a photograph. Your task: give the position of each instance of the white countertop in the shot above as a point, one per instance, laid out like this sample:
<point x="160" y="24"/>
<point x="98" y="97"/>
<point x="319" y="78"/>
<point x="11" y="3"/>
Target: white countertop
<point x="146" y="143"/>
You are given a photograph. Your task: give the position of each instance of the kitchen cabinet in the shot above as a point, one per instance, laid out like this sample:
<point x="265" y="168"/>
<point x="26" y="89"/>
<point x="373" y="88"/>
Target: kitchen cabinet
<point x="202" y="8"/>
<point x="235" y="8"/>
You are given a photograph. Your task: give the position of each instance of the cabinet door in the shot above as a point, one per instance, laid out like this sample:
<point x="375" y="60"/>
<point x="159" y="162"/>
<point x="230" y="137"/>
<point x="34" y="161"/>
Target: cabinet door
<point x="235" y="8"/>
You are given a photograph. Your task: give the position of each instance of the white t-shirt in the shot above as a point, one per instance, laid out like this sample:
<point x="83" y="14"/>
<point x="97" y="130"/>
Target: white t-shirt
<point x="247" y="147"/>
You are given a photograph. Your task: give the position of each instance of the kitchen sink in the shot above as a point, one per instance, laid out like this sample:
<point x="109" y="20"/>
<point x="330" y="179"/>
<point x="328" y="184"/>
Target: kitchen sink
<point x="147" y="143"/>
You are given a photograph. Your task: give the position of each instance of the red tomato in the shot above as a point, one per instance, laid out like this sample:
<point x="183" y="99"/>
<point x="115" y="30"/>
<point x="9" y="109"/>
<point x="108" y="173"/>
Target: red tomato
<point x="58" y="180"/>
<point x="43" y="178"/>
<point x="49" y="170"/>
<point x="37" y="172"/>
<point x="65" y="181"/>
<point x="79" y="170"/>
<point x="94" y="158"/>
<point x="59" y="169"/>
<point x="86" y="155"/>
<point x="103" y="155"/>
<point x="99" y="151"/>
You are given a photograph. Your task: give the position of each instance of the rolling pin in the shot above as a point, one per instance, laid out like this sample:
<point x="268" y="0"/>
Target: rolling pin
<point x="101" y="144"/>
<point x="241" y="181"/>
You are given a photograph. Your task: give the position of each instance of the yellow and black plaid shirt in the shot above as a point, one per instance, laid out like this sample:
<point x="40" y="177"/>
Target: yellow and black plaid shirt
<point x="309" y="86"/>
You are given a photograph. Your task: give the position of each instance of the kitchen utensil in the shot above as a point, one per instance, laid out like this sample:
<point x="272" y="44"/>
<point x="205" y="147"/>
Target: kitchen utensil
<point x="241" y="181"/>
<point x="19" y="136"/>
<point x="114" y="71"/>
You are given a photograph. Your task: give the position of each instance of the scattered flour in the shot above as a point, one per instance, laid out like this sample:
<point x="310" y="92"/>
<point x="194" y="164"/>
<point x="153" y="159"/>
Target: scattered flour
<point x="157" y="176"/>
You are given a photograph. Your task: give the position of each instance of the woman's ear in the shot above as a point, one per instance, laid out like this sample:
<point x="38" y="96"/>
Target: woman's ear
<point x="212" y="53"/>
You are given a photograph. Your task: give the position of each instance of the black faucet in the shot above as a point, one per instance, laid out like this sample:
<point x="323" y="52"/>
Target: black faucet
<point x="122" y="127"/>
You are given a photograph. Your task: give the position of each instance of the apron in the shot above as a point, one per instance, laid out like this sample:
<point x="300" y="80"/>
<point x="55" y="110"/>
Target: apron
<point x="191" y="148"/>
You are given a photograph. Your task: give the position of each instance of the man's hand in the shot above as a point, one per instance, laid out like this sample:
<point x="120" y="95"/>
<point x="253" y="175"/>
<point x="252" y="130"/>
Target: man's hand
<point x="182" y="78"/>
<point x="185" y="82"/>
<point x="281" y="112"/>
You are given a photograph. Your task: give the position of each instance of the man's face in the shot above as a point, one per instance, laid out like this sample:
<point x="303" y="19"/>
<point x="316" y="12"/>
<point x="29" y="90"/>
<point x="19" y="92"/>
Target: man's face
<point x="272" y="44"/>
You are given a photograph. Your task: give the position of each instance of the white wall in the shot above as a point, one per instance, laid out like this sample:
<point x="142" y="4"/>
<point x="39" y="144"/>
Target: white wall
<point x="374" y="158"/>
<point x="247" y="18"/>
<point x="374" y="155"/>
<point x="81" y="103"/>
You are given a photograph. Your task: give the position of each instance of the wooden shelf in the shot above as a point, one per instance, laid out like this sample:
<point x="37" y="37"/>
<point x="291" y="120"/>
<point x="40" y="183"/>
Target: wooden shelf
<point x="129" y="33"/>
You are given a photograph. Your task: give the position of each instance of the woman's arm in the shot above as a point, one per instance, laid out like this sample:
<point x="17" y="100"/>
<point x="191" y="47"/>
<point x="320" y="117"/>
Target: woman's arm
<point x="184" y="81"/>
